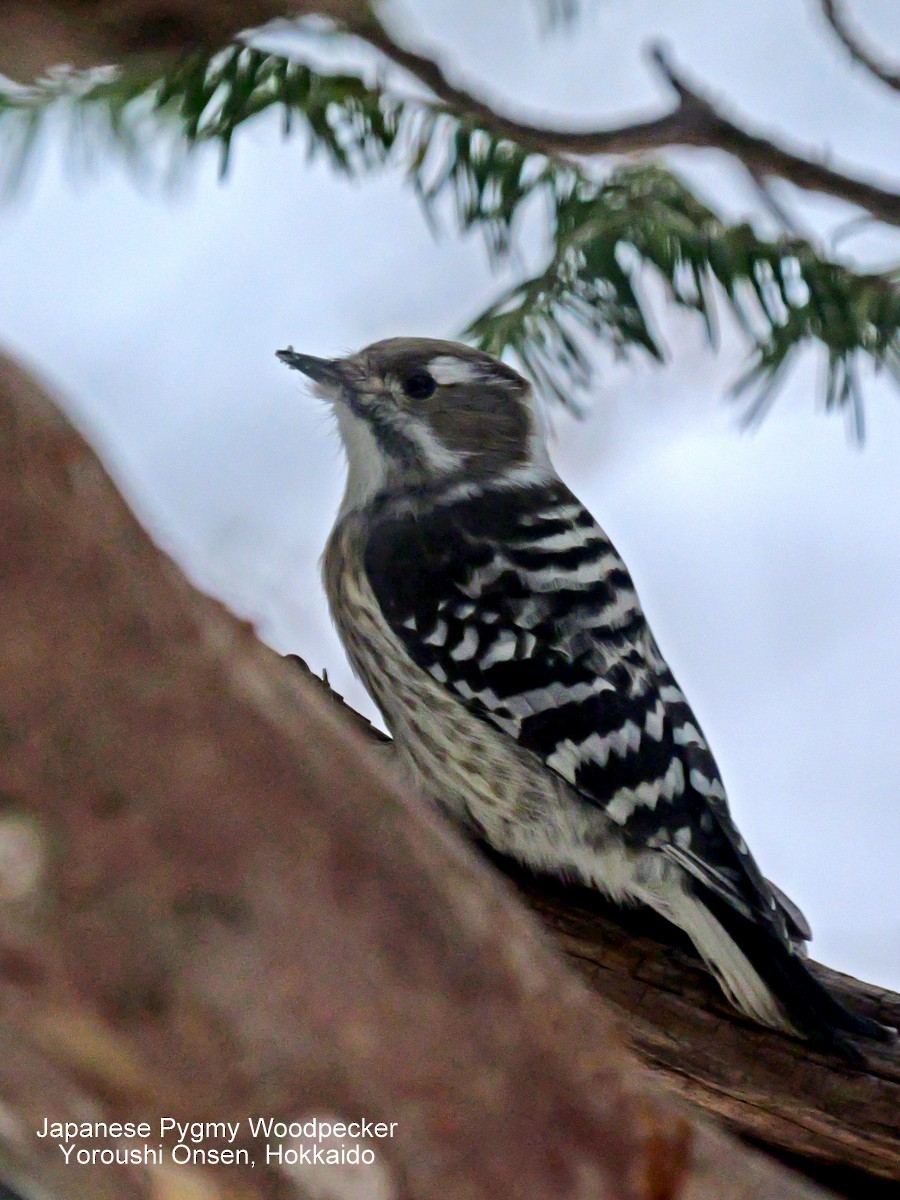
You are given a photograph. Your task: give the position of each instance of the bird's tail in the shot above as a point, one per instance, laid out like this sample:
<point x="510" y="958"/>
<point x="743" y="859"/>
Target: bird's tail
<point x="765" y="977"/>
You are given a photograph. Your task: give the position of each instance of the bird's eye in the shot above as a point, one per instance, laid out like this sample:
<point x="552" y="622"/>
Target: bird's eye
<point x="419" y="386"/>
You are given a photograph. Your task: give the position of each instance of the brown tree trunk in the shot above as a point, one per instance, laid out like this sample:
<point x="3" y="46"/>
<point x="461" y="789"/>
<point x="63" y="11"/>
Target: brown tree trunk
<point x="216" y="904"/>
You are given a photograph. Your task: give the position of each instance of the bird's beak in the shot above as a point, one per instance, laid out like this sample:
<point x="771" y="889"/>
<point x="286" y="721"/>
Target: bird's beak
<point x="323" y="370"/>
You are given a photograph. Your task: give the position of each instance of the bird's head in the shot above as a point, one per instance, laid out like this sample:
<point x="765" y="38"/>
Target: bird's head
<point x="415" y="411"/>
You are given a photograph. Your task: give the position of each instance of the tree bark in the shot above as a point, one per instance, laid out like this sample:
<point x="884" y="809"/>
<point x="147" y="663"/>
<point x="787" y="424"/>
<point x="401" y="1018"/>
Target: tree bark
<point x="34" y="37"/>
<point x="215" y="903"/>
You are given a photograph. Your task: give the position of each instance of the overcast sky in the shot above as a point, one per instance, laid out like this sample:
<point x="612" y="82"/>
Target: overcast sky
<point x="769" y="563"/>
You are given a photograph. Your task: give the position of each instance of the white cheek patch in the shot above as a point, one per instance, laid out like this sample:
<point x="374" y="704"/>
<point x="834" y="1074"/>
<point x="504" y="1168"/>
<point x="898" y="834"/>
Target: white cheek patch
<point x="447" y="369"/>
<point x="435" y="454"/>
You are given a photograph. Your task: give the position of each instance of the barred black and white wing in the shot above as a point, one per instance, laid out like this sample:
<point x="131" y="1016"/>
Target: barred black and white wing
<point x="516" y="601"/>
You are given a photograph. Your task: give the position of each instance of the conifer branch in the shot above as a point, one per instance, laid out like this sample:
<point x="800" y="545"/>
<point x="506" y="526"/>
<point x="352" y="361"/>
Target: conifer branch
<point x="604" y="233"/>
<point x="695" y="120"/>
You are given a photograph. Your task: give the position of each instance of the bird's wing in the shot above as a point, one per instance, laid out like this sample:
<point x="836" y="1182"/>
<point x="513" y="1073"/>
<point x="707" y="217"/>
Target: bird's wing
<point x="516" y="601"/>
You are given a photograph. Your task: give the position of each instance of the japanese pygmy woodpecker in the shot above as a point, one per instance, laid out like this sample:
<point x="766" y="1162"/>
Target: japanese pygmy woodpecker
<point x="500" y="634"/>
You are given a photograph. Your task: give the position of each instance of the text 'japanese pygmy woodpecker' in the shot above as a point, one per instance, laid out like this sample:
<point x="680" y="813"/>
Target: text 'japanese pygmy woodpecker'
<point x="500" y="634"/>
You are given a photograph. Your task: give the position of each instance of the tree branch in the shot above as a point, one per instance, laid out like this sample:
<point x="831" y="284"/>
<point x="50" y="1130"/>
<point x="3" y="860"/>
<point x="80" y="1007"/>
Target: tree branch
<point x="763" y="1084"/>
<point x="801" y="1104"/>
<point x="835" y="16"/>
<point x="694" y="121"/>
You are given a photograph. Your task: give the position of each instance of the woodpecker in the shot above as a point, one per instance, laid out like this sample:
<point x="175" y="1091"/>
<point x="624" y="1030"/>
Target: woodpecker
<point x="500" y="634"/>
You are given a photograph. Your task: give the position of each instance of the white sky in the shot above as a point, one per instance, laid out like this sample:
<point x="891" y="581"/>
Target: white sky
<point x="769" y="563"/>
